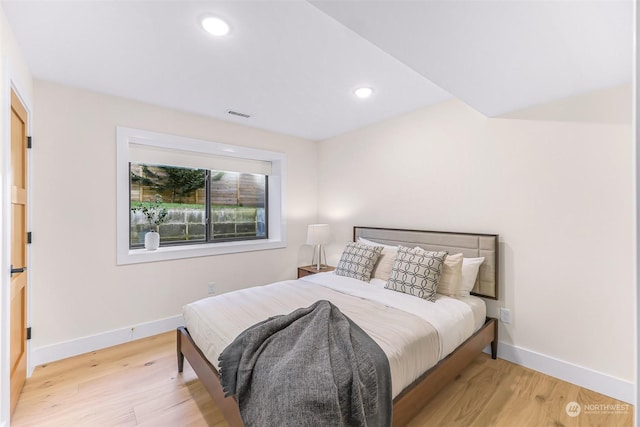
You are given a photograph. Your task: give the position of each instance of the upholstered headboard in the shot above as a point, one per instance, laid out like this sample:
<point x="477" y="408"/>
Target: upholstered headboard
<point x="471" y="246"/>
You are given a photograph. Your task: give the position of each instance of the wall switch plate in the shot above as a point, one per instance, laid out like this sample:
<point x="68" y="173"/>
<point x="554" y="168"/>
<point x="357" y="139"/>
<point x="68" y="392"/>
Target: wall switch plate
<point x="211" y="288"/>
<point x="505" y="315"/>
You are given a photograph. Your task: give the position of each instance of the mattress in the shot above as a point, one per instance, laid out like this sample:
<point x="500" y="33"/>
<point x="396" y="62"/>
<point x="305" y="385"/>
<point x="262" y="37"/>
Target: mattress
<point x="414" y="334"/>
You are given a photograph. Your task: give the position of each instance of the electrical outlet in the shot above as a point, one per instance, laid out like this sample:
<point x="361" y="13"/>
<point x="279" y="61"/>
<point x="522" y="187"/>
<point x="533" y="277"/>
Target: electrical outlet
<point x="211" y="288"/>
<point x="505" y="315"/>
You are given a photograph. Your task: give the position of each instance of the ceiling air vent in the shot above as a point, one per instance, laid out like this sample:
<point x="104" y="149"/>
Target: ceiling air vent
<point x="235" y="113"/>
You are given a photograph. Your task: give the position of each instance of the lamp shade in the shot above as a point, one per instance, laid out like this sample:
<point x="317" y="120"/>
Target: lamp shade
<point x="318" y="234"/>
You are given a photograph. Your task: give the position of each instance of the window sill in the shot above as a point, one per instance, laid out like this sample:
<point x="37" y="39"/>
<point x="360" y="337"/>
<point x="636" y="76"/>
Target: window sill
<point x="137" y="256"/>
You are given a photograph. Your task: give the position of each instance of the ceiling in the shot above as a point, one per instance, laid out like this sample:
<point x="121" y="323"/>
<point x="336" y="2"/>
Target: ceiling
<point x="293" y="65"/>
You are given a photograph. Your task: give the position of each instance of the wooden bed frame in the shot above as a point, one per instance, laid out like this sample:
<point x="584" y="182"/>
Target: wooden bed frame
<point x="411" y="400"/>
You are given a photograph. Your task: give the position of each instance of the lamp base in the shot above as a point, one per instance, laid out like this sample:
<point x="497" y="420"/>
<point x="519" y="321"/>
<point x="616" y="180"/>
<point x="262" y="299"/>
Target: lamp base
<point x="320" y="251"/>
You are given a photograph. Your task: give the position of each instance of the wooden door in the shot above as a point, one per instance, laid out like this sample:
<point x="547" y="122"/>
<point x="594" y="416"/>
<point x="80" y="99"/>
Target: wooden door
<point x="18" y="334"/>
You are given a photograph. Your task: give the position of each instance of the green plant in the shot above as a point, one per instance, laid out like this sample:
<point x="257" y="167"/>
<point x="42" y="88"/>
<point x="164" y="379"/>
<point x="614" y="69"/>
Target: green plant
<point x="155" y="213"/>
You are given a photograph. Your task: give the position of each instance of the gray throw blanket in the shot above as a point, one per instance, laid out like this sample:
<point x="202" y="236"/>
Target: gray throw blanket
<point x="312" y="367"/>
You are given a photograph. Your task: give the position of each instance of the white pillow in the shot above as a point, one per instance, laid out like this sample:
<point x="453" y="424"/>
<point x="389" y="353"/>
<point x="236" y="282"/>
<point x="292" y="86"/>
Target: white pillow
<point x="470" y="268"/>
<point x="382" y="270"/>
<point x="451" y="276"/>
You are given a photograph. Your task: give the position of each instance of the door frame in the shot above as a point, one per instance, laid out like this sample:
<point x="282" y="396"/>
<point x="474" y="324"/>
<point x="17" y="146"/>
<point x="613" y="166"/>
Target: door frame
<point x="8" y="85"/>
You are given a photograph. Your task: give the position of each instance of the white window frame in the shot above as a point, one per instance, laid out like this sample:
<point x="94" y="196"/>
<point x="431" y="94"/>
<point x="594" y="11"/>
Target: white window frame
<point x="277" y="225"/>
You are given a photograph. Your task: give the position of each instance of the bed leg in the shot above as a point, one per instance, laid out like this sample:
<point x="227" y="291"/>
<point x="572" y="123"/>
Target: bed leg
<point x="179" y="351"/>
<point x="494" y="343"/>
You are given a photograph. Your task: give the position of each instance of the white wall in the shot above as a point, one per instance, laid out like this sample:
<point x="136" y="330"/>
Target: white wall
<point x="78" y="290"/>
<point x="15" y="74"/>
<point x="559" y="193"/>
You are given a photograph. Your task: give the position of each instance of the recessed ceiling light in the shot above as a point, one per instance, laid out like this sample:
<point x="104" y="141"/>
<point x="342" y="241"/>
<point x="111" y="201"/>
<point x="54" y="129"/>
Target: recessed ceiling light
<point x="363" y="92"/>
<point x="215" y="26"/>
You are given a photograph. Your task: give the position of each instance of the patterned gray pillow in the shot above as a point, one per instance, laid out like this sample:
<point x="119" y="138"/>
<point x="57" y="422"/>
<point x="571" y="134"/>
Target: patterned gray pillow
<point x="416" y="272"/>
<point x="358" y="260"/>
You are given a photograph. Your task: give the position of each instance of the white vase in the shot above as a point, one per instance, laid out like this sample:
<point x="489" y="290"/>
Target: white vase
<point x="152" y="240"/>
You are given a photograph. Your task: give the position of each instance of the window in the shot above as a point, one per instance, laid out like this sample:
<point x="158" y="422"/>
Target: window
<point x="212" y="198"/>
<point x="196" y="205"/>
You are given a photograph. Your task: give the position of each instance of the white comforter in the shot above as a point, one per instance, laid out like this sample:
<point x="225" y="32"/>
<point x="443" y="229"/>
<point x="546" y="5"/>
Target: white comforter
<point x="414" y="334"/>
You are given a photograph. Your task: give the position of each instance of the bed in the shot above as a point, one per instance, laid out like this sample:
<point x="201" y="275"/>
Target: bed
<point x="462" y="328"/>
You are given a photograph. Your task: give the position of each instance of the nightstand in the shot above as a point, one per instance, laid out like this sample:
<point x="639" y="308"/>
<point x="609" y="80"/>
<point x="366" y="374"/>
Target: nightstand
<point x="311" y="269"/>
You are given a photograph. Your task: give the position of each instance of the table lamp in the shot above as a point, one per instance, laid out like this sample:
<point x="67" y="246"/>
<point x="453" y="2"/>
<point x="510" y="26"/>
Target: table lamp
<point x="318" y="235"/>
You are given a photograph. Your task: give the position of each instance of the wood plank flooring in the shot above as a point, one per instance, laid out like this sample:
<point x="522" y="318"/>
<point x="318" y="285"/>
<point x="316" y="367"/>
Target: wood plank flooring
<point x="137" y="384"/>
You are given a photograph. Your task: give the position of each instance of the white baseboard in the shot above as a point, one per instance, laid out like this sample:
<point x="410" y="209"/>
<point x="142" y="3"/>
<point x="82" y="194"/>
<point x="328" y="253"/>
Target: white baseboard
<point x="51" y="353"/>
<point x="584" y="377"/>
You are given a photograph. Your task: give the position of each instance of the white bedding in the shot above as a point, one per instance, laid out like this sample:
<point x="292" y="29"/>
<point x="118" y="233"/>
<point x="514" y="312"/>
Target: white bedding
<point x="477" y="305"/>
<point x="414" y="334"/>
<point x="453" y="318"/>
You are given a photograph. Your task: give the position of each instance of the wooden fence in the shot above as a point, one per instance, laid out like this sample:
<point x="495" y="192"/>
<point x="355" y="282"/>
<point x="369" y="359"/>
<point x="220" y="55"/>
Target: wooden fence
<point x="230" y="189"/>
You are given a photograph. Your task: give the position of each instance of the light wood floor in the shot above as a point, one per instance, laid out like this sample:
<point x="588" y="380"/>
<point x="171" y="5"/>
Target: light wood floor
<point x="137" y="384"/>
